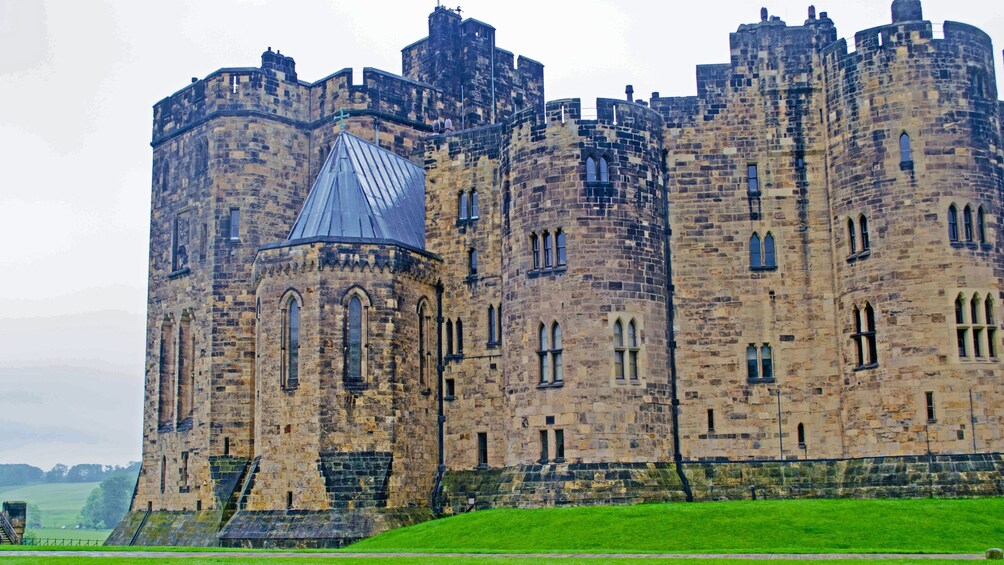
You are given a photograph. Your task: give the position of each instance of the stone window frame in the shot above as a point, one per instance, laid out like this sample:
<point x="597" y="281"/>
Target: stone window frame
<point x="976" y="326"/>
<point x="597" y="167"/>
<point x="468" y="206"/>
<point x="289" y="375"/>
<point x="366" y="304"/>
<point x="425" y="357"/>
<point x="482" y="452"/>
<point x="905" y="151"/>
<point x="865" y="337"/>
<point x="548" y="252"/>
<point x="166" y="377"/>
<point x="629" y="360"/>
<point x="494" y="327"/>
<point x="753" y="188"/>
<point x="550" y="355"/>
<point x="953" y="223"/>
<point x="763" y="252"/>
<point x="760" y="363"/>
<point x="185" y="365"/>
<point x="967" y="226"/>
<point x="857" y="232"/>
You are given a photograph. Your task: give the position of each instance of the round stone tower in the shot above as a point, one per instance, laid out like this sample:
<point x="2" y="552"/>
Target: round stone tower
<point x="913" y="148"/>
<point x="584" y="287"/>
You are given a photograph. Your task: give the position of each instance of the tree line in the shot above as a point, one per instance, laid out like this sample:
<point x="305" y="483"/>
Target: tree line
<point x="20" y="473"/>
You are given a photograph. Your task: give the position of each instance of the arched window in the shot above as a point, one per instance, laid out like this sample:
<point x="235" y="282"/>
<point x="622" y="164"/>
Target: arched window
<point x="858" y="338"/>
<point x="905" y="153"/>
<point x="766" y="362"/>
<point x="472" y="262"/>
<point x="290" y="374"/>
<point x="604" y="170"/>
<point x="462" y="205"/>
<point x="865" y="241"/>
<point x="557" y="363"/>
<point x="186" y="370"/>
<point x="769" y="253"/>
<point x="752" y="365"/>
<point x="548" y="250"/>
<point x="542" y="354"/>
<point x="967" y="223"/>
<point x="355" y="345"/>
<point x="460" y="337"/>
<point x="535" y="247"/>
<point x="981" y="224"/>
<point x="590" y="169"/>
<point x="166" y="400"/>
<point x="474" y="204"/>
<point x="632" y="343"/>
<point x="988" y="305"/>
<point x="870" y="335"/>
<point x="801" y="436"/>
<point x="851" y="236"/>
<point x="423" y="347"/>
<point x="619" y="350"/>
<point x="492" y="337"/>
<point x="756" y="257"/>
<point x="559" y="238"/>
<point x="953" y="223"/>
<point x="449" y="338"/>
<point x="975" y="312"/>
<point x="960" y="308"/>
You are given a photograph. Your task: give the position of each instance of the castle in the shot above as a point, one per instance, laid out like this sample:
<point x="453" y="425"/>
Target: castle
<point x="371" y="303"/>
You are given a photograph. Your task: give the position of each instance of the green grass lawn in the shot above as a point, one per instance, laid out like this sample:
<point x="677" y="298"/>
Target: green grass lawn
<point x="60" y="503"/>
<point x="45" y="560"/>
<point x="778" y="526"/>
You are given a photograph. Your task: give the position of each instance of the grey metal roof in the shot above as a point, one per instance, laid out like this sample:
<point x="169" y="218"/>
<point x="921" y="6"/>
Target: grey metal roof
<point x="364" y="192"/>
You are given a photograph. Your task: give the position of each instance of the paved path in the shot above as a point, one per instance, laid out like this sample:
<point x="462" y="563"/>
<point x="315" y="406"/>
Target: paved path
<point x="244" y="555"/>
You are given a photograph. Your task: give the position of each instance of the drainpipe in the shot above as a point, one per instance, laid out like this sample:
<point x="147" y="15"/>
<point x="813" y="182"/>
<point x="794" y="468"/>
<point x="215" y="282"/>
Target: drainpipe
<point x="440" y="416"/>
<point x="671" y="341"/>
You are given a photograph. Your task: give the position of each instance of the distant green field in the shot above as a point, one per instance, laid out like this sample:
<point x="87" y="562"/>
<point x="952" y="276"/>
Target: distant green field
<point x="770" y="526"/>
<point x="67" y="534"/>
<point x="60" y="503"/>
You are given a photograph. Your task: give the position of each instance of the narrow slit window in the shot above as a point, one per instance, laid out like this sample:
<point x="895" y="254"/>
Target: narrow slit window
<point x="981" y="225"/>
<point x="769" y="252"/>
<point x="632" y="343"/>
<point x="858" y="338"/>
<point x="929" y="397"/>
<point x="967" y="223"/>
<point x="535" y="246"/>
<point x="472" y="260"/>
<point x="449" y="338"/>
<point x="462" y="206"/>
<point x="604" y="170"/>
<point x="492" y="339"/>
<point x="355" y="345"/>
<point x="557" y="362"/>
<point x="756" y="256"/>
<point x="953" y="223"/>
<point x="235" y="224"/>
<point x="542" y="354"/>
<point x="559" y="445"/>
<point x="865" y="241"/>
<point x="752" y="364"/>
<point x="851" y="236"/>
<point x="767" y="362"/>
<point x="753" y="179"/>
<point x="460" y="336"/>
<point x="905" y="153"/>
<point x="543" y="446"/>
<point x="801" y="436"/>
<point x="483" y="450"/>
<point x="590" y="169"/>
<point x="619" y="350"/>
<point x="548" y="250"/>
<point x="870" y="336"/>
<point x="474" y="204"/>
<point x="711" y="420"/>
<point x="559" y="239"/>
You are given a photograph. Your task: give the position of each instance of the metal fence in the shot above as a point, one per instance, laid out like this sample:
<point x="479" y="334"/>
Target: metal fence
<point x="61" y="541"/>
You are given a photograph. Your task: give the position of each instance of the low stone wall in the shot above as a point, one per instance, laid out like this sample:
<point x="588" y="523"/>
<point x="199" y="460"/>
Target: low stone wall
<point x="315" y="529"/>
<point x="561" y="484"/>
<point x="165" y="527"/>
<point x="582" y="484"/>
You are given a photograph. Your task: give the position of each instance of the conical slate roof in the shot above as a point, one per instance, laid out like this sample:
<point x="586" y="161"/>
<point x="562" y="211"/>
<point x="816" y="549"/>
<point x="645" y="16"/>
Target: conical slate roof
<point x="364" y="192"/>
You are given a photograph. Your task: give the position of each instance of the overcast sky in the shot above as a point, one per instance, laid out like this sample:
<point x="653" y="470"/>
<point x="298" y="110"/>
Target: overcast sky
<point x="79" y="78"/>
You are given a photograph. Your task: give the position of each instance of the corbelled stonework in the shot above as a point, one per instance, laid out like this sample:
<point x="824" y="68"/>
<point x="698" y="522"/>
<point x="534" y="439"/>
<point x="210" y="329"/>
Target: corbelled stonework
<point x="615" y="308"/>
